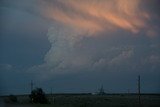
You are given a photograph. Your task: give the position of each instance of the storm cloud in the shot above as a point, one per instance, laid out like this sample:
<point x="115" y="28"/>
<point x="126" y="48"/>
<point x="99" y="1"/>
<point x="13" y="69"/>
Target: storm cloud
<point x="98" y="36"/>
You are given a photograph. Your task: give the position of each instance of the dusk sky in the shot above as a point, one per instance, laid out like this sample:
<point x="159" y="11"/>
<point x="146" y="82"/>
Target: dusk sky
<point x="79" y="45"/>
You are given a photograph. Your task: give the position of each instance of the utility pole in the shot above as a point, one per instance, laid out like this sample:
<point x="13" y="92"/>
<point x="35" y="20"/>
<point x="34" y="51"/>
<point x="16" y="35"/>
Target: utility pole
<point x="51" y="90"/>
<point x="31" y="85"/>
<point x="139" y="90"/>
<point x="52" y="97"/>
<point x="128" y="91"/>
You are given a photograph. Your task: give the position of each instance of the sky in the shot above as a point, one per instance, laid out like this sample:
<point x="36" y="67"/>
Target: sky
<point x="70" y="46"/>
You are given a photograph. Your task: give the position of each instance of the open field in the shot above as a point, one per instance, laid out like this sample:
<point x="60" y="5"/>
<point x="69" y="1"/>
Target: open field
<point x="112" y="100"/>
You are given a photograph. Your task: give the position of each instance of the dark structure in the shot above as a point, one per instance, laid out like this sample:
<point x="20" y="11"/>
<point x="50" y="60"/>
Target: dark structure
<point x="101" y="91"/>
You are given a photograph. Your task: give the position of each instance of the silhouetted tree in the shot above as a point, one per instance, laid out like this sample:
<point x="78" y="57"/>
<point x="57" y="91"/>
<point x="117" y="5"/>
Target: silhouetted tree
<point x="38" y="96"/>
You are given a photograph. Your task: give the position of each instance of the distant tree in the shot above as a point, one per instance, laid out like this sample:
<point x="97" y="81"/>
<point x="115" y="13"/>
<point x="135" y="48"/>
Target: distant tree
<point x="38" y="96"/>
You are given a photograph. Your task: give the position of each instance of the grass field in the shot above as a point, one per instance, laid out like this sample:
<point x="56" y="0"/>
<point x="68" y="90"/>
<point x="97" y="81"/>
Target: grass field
<point x="96" y="101"/>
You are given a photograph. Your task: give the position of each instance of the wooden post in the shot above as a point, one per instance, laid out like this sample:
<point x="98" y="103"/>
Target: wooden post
<point x="31" y="86"/>
<point x="139" y="90"/>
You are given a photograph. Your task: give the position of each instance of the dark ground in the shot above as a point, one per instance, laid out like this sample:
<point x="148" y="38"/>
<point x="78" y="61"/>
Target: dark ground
<point x="121" y="100"/>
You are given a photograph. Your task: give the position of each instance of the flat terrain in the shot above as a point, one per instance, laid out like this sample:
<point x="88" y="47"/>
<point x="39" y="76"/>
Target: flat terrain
<point x="92" y="101"/>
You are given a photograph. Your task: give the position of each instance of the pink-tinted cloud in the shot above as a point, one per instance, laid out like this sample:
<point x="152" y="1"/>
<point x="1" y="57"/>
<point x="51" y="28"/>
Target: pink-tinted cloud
<point x="96" y="16"/>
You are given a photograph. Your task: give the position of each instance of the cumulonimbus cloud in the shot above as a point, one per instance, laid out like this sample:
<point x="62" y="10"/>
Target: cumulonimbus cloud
<point x="78" y="22"/>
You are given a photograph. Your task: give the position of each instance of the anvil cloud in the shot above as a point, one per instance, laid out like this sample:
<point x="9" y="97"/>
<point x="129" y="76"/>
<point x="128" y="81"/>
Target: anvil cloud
<point x="83" y="31"/>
